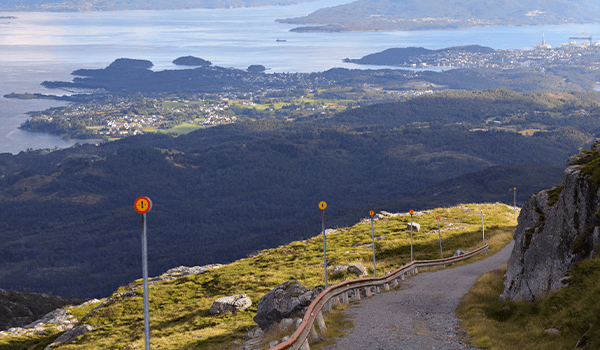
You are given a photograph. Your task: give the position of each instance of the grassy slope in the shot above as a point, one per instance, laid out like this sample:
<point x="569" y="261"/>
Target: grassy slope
<point x="179" y="310"/>
<point x="574" y="312"/>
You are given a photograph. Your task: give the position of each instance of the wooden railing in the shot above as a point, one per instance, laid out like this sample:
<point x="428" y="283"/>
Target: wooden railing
<point x="306" y="331"/>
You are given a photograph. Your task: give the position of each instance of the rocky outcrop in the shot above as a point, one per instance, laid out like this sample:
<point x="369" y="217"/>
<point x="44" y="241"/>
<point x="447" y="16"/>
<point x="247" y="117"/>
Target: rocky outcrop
<point x="288" y="300"/>
<point x="22" y="308"/>
<point x="59" y="319"/>
<point x="70" y="335"/>
<point x="233" y="304"/>
<point x="182" y="271"/>
<point x="358" y="269"/>
<point x="556" y="228"/>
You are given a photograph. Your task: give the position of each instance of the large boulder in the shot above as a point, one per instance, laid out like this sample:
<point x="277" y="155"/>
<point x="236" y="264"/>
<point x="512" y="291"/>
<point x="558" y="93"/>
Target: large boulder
<point x="233" y="304"/>
<point x="358" y="269"/>
<point x="287" y="300"/>
<point x="556" y="228"/>
<point x="415" y="227"/>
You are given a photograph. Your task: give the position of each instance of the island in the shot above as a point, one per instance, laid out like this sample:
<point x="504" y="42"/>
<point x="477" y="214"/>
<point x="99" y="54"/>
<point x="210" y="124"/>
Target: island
<point x="128" y="98"/>
<point x="191" y="61"/>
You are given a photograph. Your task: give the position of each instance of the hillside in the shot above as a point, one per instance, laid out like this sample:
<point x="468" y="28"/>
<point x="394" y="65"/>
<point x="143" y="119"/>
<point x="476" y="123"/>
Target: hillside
<point x="69" y="226"/>
<point x="546" y="297"/>
<point x="370" y="15"/>
<point x="179" y="308"/>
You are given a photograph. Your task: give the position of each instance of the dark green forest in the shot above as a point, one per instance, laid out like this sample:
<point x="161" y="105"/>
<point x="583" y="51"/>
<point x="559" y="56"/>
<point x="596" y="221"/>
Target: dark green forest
<point x="69" y="227"/>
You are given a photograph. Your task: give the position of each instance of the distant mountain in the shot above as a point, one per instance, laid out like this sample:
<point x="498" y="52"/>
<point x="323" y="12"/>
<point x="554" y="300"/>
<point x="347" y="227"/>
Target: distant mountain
<point x="113" y="5"/>
<point x="372" y="15"/>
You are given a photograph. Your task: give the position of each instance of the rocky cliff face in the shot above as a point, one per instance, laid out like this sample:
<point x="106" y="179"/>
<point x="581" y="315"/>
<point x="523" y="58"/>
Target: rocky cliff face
<point x="557" y="228"/>
<point x="19" y="309"/>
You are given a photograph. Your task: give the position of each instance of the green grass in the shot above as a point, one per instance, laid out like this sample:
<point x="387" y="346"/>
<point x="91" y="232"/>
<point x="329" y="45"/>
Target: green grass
<point x="574" y="311"/>
<point x="182" y="128"/>
<point x="591" y="165"/>
<point x="179" y="309"/>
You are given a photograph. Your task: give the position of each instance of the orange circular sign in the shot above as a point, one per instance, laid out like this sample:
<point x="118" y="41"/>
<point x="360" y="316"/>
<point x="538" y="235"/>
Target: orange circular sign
<point x="372" y="213"/>
<point x="322" y="205"/>
<point x="437" y="217"/>
<point x="411" y="212"/>
<point x="143" y="205"/>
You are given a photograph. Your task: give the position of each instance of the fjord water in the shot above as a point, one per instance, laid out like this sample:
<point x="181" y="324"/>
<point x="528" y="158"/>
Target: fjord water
<point x="48" y="46"/>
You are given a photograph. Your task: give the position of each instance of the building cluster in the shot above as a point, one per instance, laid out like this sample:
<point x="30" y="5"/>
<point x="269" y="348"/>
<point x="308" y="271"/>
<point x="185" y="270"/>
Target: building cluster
<point x="542" y="55"/>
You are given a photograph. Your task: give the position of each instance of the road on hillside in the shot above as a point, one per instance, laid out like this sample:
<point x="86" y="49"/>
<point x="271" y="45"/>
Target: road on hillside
<point x="420" y="315"/>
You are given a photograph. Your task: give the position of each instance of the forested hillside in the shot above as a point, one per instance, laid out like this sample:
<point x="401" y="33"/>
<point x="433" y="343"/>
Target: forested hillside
<point x="368" y="15"/>
<point x="69" y="227"/>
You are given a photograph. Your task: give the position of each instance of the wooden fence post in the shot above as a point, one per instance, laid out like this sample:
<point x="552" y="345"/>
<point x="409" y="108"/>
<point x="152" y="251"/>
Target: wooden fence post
<point x="321" y="322"/>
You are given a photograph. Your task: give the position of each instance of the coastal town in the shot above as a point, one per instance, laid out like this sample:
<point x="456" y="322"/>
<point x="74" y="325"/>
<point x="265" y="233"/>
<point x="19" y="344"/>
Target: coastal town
<point x="108" y="116"/>
<point x="581" y="53"/>
<point x="127" y="116"/>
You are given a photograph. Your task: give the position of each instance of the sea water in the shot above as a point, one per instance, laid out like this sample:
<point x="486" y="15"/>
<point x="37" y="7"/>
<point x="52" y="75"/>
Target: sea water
<point x="49" y="46"/>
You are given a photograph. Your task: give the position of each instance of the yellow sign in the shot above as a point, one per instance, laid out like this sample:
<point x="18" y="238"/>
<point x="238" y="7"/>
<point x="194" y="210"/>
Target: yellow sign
<point x="143" y="205"/>
<point x="322" y="205"/>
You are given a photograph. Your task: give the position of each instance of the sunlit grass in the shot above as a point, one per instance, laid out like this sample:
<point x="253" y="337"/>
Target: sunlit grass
<point x="179" y="309"/>
<point x="574" y="312"/>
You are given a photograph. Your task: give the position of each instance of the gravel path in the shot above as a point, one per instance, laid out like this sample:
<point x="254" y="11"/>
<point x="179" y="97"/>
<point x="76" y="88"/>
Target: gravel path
<point x="420" y="315"/>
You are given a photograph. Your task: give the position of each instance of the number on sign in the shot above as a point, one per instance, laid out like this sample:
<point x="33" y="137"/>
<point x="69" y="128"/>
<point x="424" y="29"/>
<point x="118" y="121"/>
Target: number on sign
<point x="143" y="205"/>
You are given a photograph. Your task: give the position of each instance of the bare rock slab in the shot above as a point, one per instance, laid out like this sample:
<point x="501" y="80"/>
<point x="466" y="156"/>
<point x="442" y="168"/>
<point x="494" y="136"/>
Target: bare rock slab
<point x="233" y="304"/>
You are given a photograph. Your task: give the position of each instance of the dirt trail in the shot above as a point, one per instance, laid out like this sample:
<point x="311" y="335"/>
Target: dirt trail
<point x="421" y="314"/>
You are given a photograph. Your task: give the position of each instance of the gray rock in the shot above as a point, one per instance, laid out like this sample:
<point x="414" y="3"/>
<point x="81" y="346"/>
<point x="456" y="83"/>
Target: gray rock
<point x="416" y="227"/>
<point x="288" y="300"/>
<point x="254" y="339"/>
<point x="285" y="325"/>
<point x="318" y="290"/>
<point x="70" y="335"/>
<point x="358" y="269"/>
<point x="233" y="303"/>
<point x="339" y="269"/>
<point x="460" y="252"/>
<point x="550" y="239"/>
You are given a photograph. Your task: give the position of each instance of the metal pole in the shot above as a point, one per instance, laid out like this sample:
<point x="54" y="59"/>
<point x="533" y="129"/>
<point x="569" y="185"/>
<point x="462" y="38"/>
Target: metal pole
<point x="482" y="228"/>
<point x="440" y="234"/>
<point x="373" y="235"/>
<point x="324" y="247"/>
<point x="145" y="268"/>
<point x="411" y="238"/>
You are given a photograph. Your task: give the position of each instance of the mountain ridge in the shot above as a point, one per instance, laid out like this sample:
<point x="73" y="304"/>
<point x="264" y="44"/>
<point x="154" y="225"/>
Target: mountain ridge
<point x="370" y="15"/>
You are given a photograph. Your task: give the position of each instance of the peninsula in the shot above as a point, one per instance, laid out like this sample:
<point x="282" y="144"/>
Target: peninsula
<point x="372" y="15"/>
